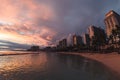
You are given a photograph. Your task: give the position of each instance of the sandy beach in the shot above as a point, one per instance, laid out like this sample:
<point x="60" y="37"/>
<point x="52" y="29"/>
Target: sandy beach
<point x="111" y="60"/>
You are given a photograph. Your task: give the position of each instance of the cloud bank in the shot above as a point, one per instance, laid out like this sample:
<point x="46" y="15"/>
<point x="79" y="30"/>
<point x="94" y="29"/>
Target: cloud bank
<point x="42" y="22"/>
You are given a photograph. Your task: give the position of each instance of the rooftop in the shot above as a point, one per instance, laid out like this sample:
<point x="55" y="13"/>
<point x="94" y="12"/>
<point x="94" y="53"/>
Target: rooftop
<point x="111" y="12"/>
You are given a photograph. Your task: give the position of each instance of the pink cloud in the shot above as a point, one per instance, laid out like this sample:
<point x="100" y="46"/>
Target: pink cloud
<point x="22" y="14"/>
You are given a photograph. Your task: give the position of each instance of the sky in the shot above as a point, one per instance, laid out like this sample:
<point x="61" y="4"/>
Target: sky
<point x="43" y="22"/>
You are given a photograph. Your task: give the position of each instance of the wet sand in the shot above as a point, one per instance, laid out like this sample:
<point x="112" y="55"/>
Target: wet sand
<point x="111" y="60"/>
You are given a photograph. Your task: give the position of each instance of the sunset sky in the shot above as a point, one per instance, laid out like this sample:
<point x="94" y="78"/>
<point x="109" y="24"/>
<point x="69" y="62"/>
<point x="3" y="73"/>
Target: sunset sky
<point x="43" y="22"/>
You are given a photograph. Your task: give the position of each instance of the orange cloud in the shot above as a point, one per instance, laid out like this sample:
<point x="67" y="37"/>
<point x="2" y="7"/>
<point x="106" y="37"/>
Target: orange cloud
<point x="18" y="22"/>
<point x="25" y="37"/>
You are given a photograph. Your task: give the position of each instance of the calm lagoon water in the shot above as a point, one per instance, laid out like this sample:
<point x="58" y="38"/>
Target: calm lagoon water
<point x="52" y="66"/>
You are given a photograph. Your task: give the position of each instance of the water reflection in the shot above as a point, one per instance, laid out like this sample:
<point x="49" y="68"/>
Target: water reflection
<point x="52" y="66"/>
<point x="21" y="61"/>
<point x="87" y="69"/>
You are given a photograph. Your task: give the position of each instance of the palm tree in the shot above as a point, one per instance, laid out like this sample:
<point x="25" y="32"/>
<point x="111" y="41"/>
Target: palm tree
<point x="115" y="36"/>
<point x="118" y="34"/>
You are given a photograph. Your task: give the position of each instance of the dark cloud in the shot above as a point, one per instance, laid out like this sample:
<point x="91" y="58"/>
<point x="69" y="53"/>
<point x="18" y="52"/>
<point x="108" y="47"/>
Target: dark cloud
<point x="74" y="16"/>
<point x="13" y="46"/>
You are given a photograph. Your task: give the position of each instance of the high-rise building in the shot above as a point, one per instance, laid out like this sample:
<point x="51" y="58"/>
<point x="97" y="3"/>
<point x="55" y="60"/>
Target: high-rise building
<point x="112" y="19"/>
<point x="97" y="35"/>
<point x="77" y="40"/>
<point x="92" y="31"/>
<point x="86" y="39"/>
<point x="69" y="40"/>
<point x="62" y="43"/>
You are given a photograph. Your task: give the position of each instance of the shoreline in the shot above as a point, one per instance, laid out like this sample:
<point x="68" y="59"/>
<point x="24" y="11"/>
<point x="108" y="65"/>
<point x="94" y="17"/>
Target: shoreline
<point x="110" y="60"/>
<point x="17" y="53"/>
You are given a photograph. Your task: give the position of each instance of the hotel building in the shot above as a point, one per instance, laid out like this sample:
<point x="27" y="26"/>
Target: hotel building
<point x="86" y="39"/>
<point x="96" y="33"/>
<point x="112" y="19"/>
<point x="63" y="44"/>
<point x="77" y="40"/>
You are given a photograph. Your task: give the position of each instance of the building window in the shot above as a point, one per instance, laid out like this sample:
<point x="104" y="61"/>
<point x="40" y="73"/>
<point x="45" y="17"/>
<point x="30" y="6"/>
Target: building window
<point x="111" y="21"/>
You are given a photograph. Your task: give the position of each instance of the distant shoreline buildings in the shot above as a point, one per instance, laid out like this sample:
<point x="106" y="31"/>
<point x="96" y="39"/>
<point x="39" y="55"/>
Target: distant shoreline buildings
<point x="96" y="38"/>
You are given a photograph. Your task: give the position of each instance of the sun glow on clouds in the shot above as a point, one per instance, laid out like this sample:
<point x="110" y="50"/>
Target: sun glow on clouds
<point x="18" y="22"/>
<point x="26" y="38"/>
